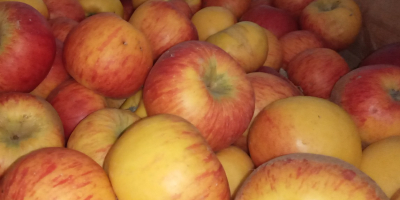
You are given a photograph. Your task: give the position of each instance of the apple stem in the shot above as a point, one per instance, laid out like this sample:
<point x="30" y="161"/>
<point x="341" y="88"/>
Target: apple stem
<point x="395" y="94"/>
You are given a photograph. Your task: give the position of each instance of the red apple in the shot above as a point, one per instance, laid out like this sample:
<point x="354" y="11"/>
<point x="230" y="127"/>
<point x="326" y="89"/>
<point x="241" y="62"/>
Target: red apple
<point x="316" y="71"/>
<point x="294" y="7"/>
<point x="237" y="7"/>
<point x="61" y="26"/>
<point x="163" y="24"/>
<point x="27" y="123"/>
<point x="73" y="102"/>
<point x="203" y="84"/>
<point x="276" y="20"/>
<point x="71" y="9"/>
<point x="371" y="95"/>
<point x="128" y="9"/>
<point x="388" y="54"/>
<point x="296" y="42"/>
<point x="108" y="55"/>
<point x="28" y="47"/>
<point x="337" y="22"/>
<point x="55" y="77"/>
<point x="56" y="173"/>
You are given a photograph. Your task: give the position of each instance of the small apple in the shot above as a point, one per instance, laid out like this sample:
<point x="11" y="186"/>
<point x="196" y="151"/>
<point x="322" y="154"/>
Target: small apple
<point x="304" y="124"/>
<point x="316" y="71"/>
<point x="167" y="159"/>
<point x="337" y="22"/>
<point x="108" y="55"/>
<point x="61" y="26"/>
<point x="28" y="47"/>
<point x="388" y="54"/>
<point x="71" y="9"/>
<point x="163" y="25"/>
<point x="56" y="173"/>
<point x="309" y="176"/>
<point x="276" y="20"/>
<point x="27" y="123"/>
<point x="371" y="95"/>
<point x="93" y="7"/>
<point x="237" y="7"/>
<point x="206" y="86"/>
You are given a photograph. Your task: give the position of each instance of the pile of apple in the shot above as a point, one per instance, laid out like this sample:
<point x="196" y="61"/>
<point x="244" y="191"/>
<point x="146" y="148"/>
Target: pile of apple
<point x="194" y="99"/>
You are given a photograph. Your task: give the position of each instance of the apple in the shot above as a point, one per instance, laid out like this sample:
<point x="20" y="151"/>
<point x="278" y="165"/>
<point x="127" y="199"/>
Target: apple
<point x="272" y="71"/>
<point x="276" y="20"/>
<point x="168" y="159"/>
<point x="380" y="161"/>
<point x="246" y="42"/>
<point x="304" y="124"/>
<point x="237" y="165"/>
<point x="371" y="95"/>
<point x="275" y="51"/>
<point x="98" y="131"/>
<point x="296" y="42"/>
<point x="294" y="7"/>
<point x="73" y="102"/>
<point x="27" y="123"/>
<point x="71" y="9"/>
<point x="182" y="6"/>
<point x="128" y="9"/>
<point x="28" y="47"/>
<point x="39" y="5"/>
<point x="163" y="25"/>
<point x="55" y="77"/>
<point x="255" y="3"/>
<point x="61" y="26"/>
<point x="309" y="176"/>
<point x="93" y="7"/>
<point x="210" y="20"/>
<point x="108" y="55"/>
<point x="56" y="173"/>
<point x="268" y="87"/>
<point x="386" y="54"/>
<point x="206" y="86"/>
<point x="237" y="7"/>
<point x="195" y="5"/>
<point x="135" y="104"/>
<point x="338" y="23"/>
<point x="316" y="71"/>
<point x="137" y="3"/>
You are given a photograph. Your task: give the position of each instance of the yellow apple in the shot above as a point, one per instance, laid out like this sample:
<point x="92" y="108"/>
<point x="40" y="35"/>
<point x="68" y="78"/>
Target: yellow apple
<point x="39" y="5"/>
<point x="381" y="162"/>
<point x="237" y="165"/>
<point x="92" y="7"/>
<point x="275" y="51"/>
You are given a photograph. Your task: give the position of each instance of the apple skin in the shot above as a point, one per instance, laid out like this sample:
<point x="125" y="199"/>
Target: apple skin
<point x="61" y="27"/>
<point x="268" y="86"/>
<point x="27" y="123"/>
<point x="303" y="124"/>
<point x="115" y="63"/>
<point x="56" y="173"/>
<point x="182" y="6"/>
<point x="38" y="5"/>
<point x="255" y="3"/>
<point x="237" y="7"/>
<point x="168" y="159"/>
<point x="93" y="7"/>
<point x="28" y="51"/>
<point x="71" y="9"/>
<point x="57" y="75"/>
<point x="73" y="102"/>
<point x="201" y="83"/>
<point x="387" y="54"/>
<point x="163" y="25"/>
<point x="294" y="7"/>
<point x="316" y="71"/>
<point x="309" y="176"/>
<point x="338" y="23"/>
<point x="296" y="42"/>
<point x="275" y="52"/>
<point x="98" y="131"/>
<point x="195" y="5"/>
<point x="128" y="9"/>
<point x="276" y="20"/>
<point x="370" y="94"/>
<point x="380" y="161"/>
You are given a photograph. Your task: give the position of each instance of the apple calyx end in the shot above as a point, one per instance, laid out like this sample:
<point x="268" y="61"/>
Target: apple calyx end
<point x="395" y="94"/>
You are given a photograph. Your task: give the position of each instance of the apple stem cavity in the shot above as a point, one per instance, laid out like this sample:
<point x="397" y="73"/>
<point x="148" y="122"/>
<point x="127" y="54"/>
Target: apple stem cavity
<point x="395" y="94"/>
<point x="216" y="84"/>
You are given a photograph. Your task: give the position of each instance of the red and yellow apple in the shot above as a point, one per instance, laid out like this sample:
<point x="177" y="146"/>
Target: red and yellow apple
<point x="56" y="173"/>
<point x="27" y="123"/>
<point x="371" y="95"/>
<point x="237" y="7"/>
<point x="182" y="6"/>
<point x="316" y="71"/>
<point x="93" y="7"/>
<point x="39" y="5"/>
<point x="304" y="124"/>
<point x="71" y="9"/>
<point x="337" y="22"/>
<point x="275" y="51"/>
<point x="163" y="25"/>
<point x="28" y="47"/>
<point x="108" y="55"/>
<point x="203" y="84"/>
<point x="98" y="131"/>
<point x="61" y="26"/>
<point x="168" y="159"/>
